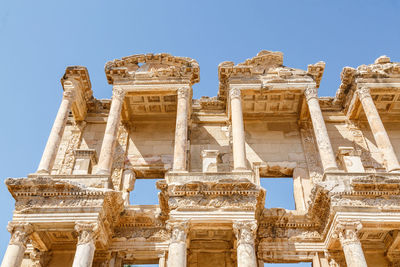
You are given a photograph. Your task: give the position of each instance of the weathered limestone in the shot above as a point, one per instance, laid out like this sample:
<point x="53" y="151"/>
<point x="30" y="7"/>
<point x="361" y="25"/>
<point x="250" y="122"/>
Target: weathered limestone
<point x="177" y="245"/>
<point x="347" y="233"/>
<point x="210" y="160"/>
<point x="378" y="130"/>
<point x="245" y="232"/>
<point x="53" y="143"/>
<point x="87" y="234"/>
<point x="321" y="134"/>
<point x="110" y="135"/>
<point x="162" y="261"/>
<point x="239" y="152"/>
<point x="350" y="159"/>
<point x="181" y="129"/>
<point x="17" y="245"/>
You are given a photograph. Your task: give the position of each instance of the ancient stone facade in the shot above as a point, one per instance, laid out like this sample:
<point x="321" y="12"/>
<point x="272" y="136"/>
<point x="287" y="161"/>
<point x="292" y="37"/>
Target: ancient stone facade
<point x="210" y="154"/>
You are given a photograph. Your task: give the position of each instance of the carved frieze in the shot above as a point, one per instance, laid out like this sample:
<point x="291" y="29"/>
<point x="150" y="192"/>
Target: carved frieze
<point x="119" y="158"/>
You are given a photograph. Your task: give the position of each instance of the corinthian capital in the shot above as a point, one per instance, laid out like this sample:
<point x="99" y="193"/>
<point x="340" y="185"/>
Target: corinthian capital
<point x="118" y="93"/>
<point x="245" y="231"/>
<point x="183" y="92"/>
<point x="87" y="232"/>
<point x="363" y="92"/>
<point x="19" y="232"/>
<point x="179" y="230"/>
<point x="347" y="230"/>
<point x="311" y="92"/>
<point x="234" y="93"/>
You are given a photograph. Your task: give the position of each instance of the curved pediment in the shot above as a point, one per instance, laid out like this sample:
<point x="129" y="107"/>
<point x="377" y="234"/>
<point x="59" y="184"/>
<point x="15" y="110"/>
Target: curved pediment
<point x="148" y="67"/>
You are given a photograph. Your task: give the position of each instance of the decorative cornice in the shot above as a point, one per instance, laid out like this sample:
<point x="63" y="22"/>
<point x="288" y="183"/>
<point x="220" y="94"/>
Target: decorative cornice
<point x="87" y="232"/>
<point x="19" y="233"/>
<point x="245" y="231"/>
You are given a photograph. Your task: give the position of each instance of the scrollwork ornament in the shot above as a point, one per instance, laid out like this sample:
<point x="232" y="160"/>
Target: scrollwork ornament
<point x="118" y="93"/>
<point x="183" y="92"/>
<point x="311" y="92"/>
<point x="363" y="92"/>
<point x="179" y="230"/>
<point x="235" y="93"/>
<point x="245" y="231"/>
<point x="20" y="233"/>
<point x="347" y="231"/>
<point x="87" y="232"/>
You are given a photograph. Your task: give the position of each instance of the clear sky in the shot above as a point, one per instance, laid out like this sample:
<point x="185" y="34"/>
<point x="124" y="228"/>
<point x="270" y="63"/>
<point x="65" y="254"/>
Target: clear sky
<point x="38" y="39"/>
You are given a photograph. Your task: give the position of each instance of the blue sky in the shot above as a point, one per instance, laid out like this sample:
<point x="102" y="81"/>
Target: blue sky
<point x="38" y="39"/>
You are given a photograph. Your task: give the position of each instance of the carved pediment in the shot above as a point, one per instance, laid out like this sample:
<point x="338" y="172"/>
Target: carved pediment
<point x="152" y="67"/>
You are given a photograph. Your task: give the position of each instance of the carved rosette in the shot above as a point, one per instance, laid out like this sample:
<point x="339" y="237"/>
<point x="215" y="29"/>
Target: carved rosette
<point x="119" y="157"/>
<point x="118" y="93"/>
<point x="74" y="142"/>
<point x="20" y="233"/>
<point x="87" y="232"/>
<point x="235" y="93"/>
<point x="245" y="231"/>
<point x="311" y="92"/>
<point x="183" y="92"/>
<point x="179" y="230"/>
<point x="347" y="232"/>
<point x="363" y="92"/>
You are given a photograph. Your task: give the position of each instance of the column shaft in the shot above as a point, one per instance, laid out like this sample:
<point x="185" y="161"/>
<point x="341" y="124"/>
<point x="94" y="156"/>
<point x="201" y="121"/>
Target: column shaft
<point x="239" y="151"/>
<point x="177" y="246"/>
<point x="245" y="232"/>
<point x="378" y="130"/>
<point x="54" y="140"/>
<point x="181" y="130"/>
<point x="87" y="234"/>
<point x="110" y="135"/>
<point x="328" y="158"/>
<point x="17" y="245"/>
<point x="354" y="254"/>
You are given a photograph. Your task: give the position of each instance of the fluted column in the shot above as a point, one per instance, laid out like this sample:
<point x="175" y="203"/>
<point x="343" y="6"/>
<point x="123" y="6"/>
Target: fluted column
<point x="177" y="245"/>
<point x="378" y="130"/>
<point x="328" y="158"/>
<point x="245" y="232"/>
<point x="87" y="234"/>
<point x="181" y="129"/>
<point x="17" y="245"/>
<point x="347" y="231"/>
<point x="239" y="151"/>
<point x="54" y="140"/>
<point x="110" y="135"/>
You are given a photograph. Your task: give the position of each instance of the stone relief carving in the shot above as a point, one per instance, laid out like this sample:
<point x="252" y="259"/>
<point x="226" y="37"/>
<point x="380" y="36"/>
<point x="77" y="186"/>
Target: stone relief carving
<point x="120" y="157"/>
<point x="74" y="142"/>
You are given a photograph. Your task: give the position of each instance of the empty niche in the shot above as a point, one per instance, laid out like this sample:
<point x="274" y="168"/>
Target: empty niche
<point x="279" y="192"/>
<point x="145" y="192"/>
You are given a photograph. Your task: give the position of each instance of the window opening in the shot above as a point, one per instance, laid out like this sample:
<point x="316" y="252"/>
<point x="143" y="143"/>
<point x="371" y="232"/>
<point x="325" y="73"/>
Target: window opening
<point x="279" y="192"/>
<point x="145" y="192"/>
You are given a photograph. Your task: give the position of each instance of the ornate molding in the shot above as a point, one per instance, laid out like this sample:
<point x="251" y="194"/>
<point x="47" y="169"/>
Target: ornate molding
<point x="87" y="232"/>
<point x="346" y="231"/>
<point x="235" y="93"/>
<point x="118" y="93"/>
<point x="311" y="92"/>
<point x="179" y="230"/>
<point x="20" y="233"/>
<point x="363" y="92"/>
<point x="245" y="231"/>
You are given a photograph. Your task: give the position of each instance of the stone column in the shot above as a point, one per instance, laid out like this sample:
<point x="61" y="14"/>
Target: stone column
<point x="161" y="260"/>
<point x="239" y="151"/>
<point x="181" y="129"/>
<point x="347" y="231"/>
<point x="17" y="245"/>
<point x="378" y="130"/>
<point x="116" y="260"/>
<point x="245" y="232"/>
<point x="87" y="234"/>
<point x="328" y="158"/>
<point x="177" y="245"/>
<point x="110" y="135"/>
<point x="53" y="143"/>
